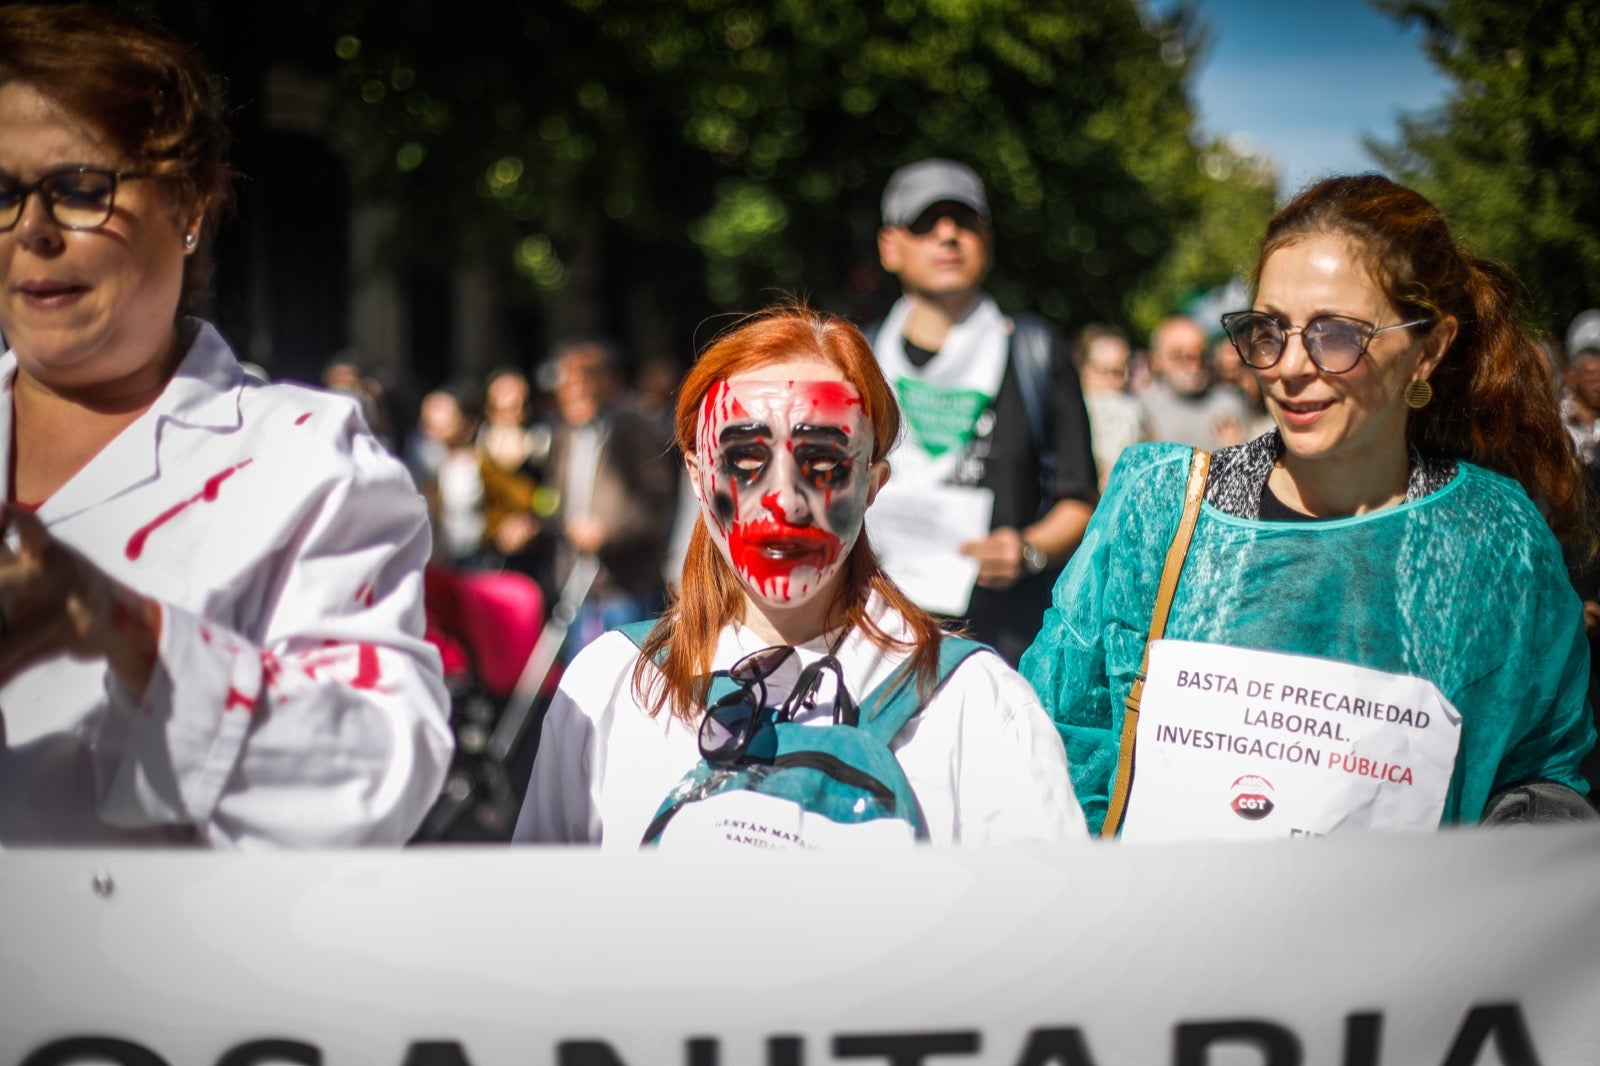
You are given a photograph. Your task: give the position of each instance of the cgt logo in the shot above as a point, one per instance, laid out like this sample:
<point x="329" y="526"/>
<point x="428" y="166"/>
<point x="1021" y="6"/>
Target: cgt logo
<point x="1252" y="797"/>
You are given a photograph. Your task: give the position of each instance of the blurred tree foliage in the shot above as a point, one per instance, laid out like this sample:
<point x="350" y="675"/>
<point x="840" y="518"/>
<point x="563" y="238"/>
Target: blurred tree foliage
<point x="1236" y="193"/>
<point x="705" y="154"/>
<point x="1514" y="157"/>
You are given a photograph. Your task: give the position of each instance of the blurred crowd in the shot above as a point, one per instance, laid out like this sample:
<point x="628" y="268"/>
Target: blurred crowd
<point x="524" y="471"/>
<point x="527" y="472"/>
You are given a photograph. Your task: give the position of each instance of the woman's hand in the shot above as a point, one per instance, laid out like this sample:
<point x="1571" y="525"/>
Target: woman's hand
<point x="53" y="600"/>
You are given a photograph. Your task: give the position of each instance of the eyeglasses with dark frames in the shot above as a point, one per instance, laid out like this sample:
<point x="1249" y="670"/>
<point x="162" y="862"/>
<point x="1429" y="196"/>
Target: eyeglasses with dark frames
<point x="74" y="197"/>
<point x="734" y="720"/>
<point x="1335" y="343"/>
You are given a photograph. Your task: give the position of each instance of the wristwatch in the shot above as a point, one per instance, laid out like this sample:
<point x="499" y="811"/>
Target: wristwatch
<point x="1033" y="560"/>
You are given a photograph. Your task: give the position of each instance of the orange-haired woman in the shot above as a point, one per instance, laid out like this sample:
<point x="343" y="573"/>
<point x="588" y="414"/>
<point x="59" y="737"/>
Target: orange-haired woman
<point x="784" y="423"/>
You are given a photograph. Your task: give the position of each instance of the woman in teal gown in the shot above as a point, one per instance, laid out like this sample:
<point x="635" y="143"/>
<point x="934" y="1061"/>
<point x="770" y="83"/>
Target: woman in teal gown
<point x="1374" y="626"/>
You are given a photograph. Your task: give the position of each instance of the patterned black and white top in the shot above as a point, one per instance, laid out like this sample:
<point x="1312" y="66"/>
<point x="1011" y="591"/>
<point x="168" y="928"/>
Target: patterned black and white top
<point x="1239" y="475"/>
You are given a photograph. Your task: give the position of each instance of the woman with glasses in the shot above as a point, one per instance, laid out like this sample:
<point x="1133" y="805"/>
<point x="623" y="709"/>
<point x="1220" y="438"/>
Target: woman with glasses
<point x="210" y="587"/>
<point x="784" y="423"/>
<point x="1373" y="626"/>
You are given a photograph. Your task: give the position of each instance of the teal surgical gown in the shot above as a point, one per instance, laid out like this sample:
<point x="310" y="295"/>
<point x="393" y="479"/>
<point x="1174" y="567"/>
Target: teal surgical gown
<point x="1464" y="587"/>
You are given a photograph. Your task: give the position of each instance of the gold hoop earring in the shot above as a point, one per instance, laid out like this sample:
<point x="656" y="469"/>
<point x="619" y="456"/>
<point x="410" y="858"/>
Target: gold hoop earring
<point x="1418" y="394"/>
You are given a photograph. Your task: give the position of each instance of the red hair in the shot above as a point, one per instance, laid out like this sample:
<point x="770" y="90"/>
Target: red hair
<point x="710" y="595"/>
<point x="1492" y="404"/>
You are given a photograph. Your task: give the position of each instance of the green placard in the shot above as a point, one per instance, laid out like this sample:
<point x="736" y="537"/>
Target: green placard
<point x="940" y="419"/>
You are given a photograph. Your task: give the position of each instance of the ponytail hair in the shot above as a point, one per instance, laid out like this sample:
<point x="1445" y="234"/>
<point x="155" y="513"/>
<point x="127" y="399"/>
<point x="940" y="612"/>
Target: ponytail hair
<point x="1493" y="402"/>
<point x="675" y="662"/>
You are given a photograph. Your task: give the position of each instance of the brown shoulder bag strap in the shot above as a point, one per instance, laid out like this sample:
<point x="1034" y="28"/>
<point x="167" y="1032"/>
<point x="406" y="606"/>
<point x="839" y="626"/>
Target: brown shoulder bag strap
<point x="1193" y="495"/>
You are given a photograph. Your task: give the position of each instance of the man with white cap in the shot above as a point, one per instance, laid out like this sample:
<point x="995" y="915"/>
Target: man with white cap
<point x="992" y="407"/>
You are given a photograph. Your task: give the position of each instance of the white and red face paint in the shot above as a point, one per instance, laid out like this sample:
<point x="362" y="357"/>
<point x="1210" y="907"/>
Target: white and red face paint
<point x="784" y="471"/>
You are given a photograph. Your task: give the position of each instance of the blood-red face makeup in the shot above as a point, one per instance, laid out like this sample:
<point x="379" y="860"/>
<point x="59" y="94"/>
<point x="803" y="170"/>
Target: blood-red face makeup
<point x="784" y="476"/>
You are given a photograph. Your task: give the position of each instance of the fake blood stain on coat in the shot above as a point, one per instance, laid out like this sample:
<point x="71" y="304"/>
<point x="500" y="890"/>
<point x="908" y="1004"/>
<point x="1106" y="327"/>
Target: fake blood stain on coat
<point x="207" y="494"/>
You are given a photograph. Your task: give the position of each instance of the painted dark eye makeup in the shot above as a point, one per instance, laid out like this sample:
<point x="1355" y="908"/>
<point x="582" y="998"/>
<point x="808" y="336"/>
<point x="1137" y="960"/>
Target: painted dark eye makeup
<point x="823" y="466"/>
<point x="745" y="462"/>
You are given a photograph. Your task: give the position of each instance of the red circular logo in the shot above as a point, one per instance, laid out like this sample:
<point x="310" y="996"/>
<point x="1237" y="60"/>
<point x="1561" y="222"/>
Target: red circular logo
<point x="1252" y="797"/>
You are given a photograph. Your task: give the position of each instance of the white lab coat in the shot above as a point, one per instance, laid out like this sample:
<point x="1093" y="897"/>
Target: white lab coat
<point x="294" y="700"/>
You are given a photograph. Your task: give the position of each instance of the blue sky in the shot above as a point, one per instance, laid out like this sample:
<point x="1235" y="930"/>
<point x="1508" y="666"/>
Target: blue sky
<point x="1304" y="80"/>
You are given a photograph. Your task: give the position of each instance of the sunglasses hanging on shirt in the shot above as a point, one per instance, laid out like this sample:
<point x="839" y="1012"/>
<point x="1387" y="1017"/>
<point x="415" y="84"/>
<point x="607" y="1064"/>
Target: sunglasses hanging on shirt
<point x="733" y="722"/>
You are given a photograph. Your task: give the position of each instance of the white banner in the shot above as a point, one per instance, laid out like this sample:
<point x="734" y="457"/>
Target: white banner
<point x="1461" y="948"/>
